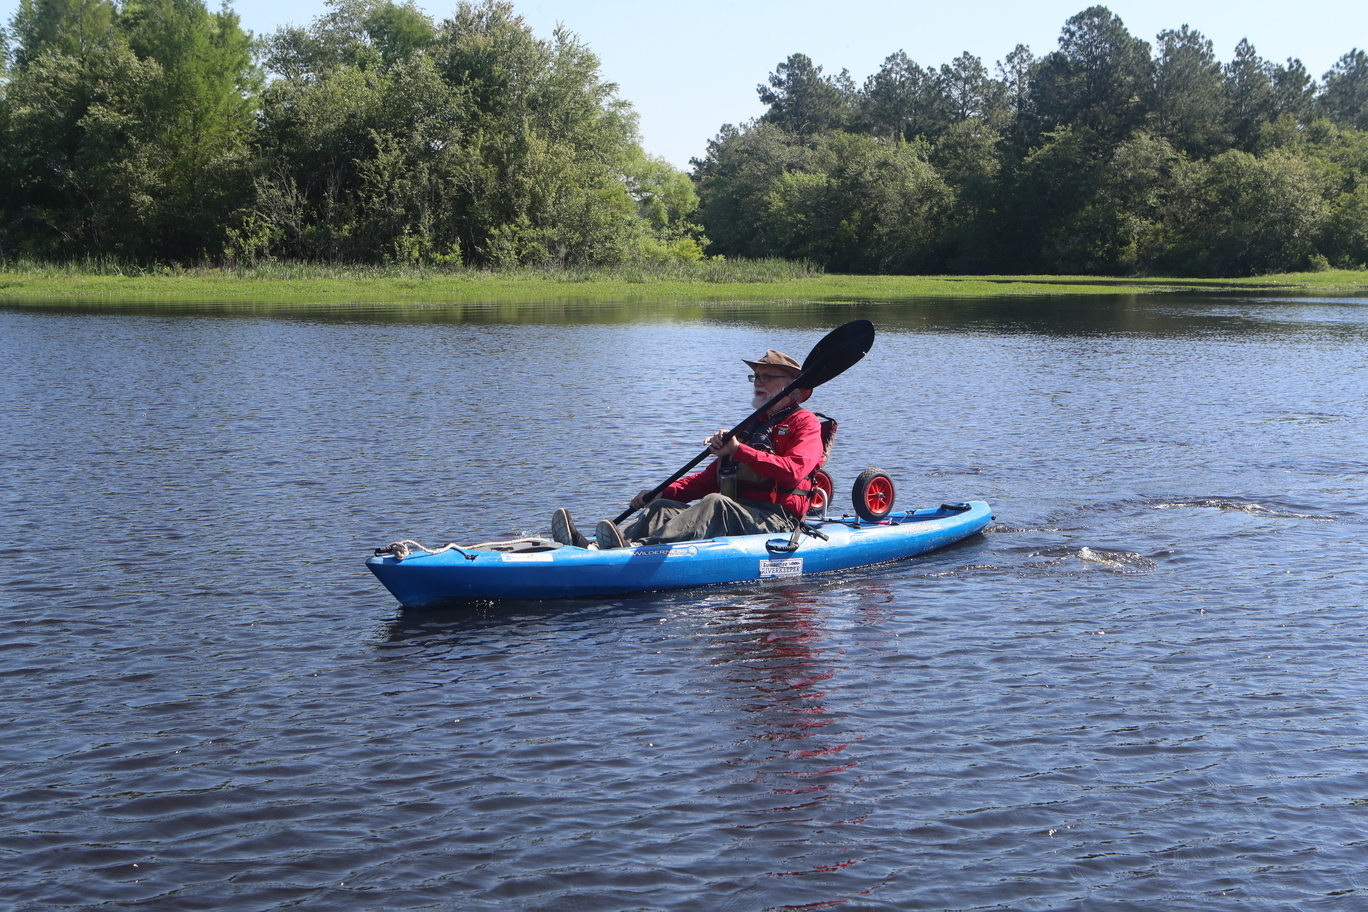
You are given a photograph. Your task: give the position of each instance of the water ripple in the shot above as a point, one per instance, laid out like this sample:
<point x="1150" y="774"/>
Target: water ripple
<point x="1124" y="696"/>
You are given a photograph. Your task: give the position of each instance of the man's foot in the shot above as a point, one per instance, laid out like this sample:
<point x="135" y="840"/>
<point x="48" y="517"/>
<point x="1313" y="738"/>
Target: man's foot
<point x="609" y="536"/>
<point x="563" y="530"/>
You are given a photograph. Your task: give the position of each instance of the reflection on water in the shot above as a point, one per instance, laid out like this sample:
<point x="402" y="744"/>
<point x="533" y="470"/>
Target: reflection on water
<point x="1141" y="688"/>
<point x="1242" y="313"/>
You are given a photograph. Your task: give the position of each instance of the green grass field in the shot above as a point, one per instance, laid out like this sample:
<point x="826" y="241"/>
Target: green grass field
<point x="300" y="284"/>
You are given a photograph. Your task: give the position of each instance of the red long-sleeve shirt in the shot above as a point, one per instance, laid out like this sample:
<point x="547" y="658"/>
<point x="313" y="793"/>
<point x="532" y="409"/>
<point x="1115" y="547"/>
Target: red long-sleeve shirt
<point x="798" y="450"/>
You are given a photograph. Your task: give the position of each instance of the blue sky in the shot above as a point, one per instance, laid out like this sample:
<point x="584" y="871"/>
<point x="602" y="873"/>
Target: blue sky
<point x="690" y="67"/>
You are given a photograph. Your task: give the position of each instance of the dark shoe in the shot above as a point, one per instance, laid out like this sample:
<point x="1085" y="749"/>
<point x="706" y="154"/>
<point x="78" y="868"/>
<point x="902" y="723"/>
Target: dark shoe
<point x="563" y="530"/>
<point x="609" y="536"/>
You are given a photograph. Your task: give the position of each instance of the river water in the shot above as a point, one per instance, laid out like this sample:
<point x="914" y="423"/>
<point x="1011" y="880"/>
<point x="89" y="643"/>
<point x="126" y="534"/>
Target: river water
<point x="1144" y="687"/>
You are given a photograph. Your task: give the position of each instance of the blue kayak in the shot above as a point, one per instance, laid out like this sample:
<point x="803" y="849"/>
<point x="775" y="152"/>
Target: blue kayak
<point x="541" y="569"/>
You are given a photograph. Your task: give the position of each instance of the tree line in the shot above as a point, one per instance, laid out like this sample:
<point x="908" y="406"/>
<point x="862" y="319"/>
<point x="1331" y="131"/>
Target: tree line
<point x="156" y="130"/>
<point x="159" y="131"/>
<point x="1106" y="156"/>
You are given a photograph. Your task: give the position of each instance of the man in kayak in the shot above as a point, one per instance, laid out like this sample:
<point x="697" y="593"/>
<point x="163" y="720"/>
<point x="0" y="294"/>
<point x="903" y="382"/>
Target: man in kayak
<point x="760" y="482"/>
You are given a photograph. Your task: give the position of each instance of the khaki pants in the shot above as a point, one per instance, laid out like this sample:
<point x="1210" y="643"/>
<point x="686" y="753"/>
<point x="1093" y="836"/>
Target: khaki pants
<point x="713" y="516"/>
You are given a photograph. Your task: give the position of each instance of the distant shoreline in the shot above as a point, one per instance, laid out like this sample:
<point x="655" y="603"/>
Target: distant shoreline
<point x="324" y="285"/>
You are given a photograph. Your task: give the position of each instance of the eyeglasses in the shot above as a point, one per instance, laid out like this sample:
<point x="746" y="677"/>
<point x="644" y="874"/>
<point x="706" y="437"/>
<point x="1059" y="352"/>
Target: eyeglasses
<point x="766" y="378"/>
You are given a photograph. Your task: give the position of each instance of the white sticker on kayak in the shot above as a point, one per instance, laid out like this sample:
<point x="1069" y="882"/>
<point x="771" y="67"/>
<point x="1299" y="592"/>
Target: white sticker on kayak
<point x="789" y="566"/>
<point x="529" y="556"/>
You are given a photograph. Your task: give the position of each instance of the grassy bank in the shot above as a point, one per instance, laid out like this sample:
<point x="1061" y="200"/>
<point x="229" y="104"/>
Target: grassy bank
<point x="710" y="281"/>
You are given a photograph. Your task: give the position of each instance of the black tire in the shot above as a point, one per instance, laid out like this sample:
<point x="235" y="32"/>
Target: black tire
<point x="873" y="495"/>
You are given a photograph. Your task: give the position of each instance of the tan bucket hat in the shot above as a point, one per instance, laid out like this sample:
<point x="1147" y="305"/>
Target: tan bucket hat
<point x="776" y="359"/>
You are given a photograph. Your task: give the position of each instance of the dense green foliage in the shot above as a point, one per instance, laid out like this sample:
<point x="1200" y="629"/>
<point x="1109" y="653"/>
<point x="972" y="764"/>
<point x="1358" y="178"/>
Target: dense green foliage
<point x="124" y="131"/>
<point x="157" y="131"/>
<point x="1106" y="156"/>
<point x="149" y="131"/>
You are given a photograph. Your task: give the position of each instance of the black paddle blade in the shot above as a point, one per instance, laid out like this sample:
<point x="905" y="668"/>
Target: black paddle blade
<point x="837" y="352"/>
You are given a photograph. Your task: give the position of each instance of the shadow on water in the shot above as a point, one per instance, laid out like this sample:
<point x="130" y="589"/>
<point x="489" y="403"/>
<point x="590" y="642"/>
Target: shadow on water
<point x="412" y="626"/>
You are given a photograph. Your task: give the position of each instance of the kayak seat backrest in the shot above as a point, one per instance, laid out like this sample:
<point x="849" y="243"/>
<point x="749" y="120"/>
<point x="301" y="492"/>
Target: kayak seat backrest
<point x="818" y="502"/>
<point x="829" y="426"/>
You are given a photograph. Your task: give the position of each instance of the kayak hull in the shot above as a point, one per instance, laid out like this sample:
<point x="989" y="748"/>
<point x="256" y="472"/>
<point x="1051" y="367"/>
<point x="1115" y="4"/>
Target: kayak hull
<point x="427" y="579"/>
